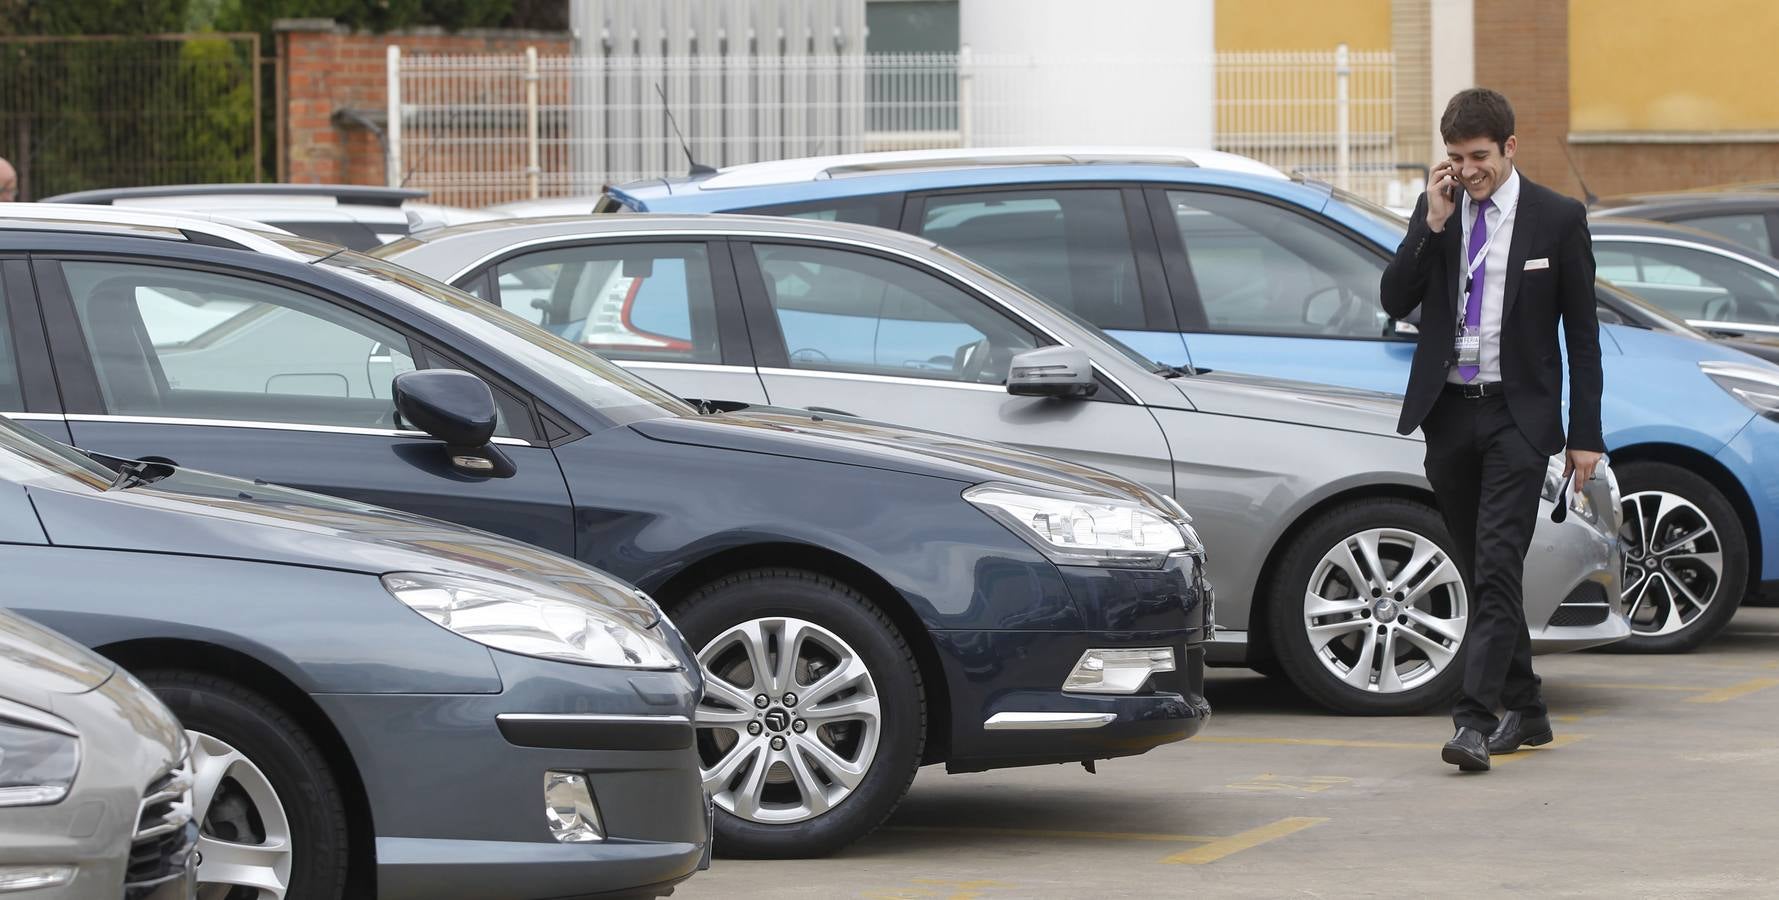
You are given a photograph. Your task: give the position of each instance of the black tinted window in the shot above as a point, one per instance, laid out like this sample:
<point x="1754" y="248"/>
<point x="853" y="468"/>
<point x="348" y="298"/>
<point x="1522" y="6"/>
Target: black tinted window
<point x="1070" y="247"/>
<point x="11" y="399"/>
<point x="1747" y="229"/>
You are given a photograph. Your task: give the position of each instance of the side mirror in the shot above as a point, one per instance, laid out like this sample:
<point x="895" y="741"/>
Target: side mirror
<point x="457" y="408"/>
<point x="1051" y="372"/>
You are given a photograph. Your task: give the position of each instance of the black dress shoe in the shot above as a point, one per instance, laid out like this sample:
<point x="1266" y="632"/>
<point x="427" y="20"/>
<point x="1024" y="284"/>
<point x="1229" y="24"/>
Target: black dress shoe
<point x="1467" y="750"/>
<point x="1516" y="730"/>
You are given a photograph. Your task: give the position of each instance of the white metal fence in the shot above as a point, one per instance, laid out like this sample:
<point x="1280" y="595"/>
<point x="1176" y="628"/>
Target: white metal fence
<point x="476" y="130"/>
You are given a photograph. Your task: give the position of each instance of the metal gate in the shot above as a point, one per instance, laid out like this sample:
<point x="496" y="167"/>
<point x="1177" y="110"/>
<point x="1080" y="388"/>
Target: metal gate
<point x="113" y="111"/>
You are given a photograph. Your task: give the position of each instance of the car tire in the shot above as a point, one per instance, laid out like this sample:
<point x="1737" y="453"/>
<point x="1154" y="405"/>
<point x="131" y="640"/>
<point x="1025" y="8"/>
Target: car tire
<point x="1646" y="488"/>
<point x="833" y="625"/>
<point x="220" y="715"/>
<point x="1430" y="670"/>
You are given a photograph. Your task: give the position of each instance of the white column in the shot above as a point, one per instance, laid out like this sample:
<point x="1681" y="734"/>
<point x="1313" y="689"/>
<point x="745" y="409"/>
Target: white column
<point x="1454" y="58"/>
<point x="1138" y="72"/>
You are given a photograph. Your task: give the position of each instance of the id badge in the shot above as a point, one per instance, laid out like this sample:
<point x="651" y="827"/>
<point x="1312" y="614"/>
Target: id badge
<point x="1469" y="347"/>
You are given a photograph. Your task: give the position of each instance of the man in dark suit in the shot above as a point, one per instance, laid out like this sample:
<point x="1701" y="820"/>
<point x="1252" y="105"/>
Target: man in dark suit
<point x="1494" y="263"/>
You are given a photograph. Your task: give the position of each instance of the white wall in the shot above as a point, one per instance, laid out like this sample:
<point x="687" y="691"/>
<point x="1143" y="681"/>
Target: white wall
<point x="1090" y="71"/>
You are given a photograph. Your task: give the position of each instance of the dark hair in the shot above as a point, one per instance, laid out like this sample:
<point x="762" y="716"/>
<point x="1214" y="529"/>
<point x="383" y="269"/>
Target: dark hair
<point x="1474" y="113"/>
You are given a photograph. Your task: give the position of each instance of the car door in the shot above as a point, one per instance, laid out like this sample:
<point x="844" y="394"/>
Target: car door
<point x="1711" y="290"/>
<point x="664" y="308"/>
<point x="28" y="392"/>
<point x="231" y="372"/>
<point x="1083" y="247"/>
<point x="870" y="334"/>
<point x="1269" y="290"/>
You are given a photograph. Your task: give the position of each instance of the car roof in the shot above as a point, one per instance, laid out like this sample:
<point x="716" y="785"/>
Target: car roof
<point x="1632" y="204"/>
<point x="1609" y="226"/>
<point x="855" y="165"/>
<point x="360" y="194"/>
<point x="197" y="228"/>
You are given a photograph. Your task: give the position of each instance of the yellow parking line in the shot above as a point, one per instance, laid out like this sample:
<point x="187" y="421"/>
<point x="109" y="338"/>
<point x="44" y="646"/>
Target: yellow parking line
<point x="1634" y="686"/>
<point x="1735" y="690"/>
<point x="1247" y="840"/>
<point x="1309" y="742"/>
<point x="1051" y="833"/>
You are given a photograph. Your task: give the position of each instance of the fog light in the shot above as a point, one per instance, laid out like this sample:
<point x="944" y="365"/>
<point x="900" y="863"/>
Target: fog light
<point x="568" y="805"/>
<point x="1118" y="671"/>
<point x="27" y="878"/>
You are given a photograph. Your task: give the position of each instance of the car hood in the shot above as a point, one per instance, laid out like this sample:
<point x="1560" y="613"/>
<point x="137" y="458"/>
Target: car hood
<point x="853" y="441"/>
<point x="35" y="662"/>
<point x="1298" y="402"/>
<point x="199" y="514"/>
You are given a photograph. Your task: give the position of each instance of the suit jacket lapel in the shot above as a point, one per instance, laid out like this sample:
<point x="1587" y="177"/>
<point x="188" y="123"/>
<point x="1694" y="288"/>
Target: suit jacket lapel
<point x="1525" y="220"/>
<point x="1454" y="257"/>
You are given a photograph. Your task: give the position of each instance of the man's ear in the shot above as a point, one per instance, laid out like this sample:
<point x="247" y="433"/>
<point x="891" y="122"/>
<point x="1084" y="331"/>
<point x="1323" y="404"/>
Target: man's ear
<point x="1508" y="148"/>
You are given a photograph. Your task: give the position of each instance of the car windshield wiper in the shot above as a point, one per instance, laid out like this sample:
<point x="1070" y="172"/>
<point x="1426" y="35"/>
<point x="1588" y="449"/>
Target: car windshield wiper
<point x="1170" y="371"/>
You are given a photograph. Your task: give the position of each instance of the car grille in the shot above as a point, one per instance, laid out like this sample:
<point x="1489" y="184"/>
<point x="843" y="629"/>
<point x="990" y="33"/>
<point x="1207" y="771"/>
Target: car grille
<point x="1586" y="605"/>
<point x="165" y="832"/>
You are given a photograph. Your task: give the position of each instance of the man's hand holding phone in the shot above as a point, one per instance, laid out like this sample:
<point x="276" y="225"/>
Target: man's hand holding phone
<point x="1442" y="194"/>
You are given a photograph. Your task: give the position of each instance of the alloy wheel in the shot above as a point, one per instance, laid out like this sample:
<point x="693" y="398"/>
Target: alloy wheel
<point x="1385" y="610"/>
<point x="244" y="847"/>
<point x="789" y="721"/>
<point x="1673" y="562"/>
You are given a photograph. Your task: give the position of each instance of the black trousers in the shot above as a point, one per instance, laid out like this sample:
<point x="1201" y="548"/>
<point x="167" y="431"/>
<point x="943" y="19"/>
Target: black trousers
<point x="1487" y="478"/>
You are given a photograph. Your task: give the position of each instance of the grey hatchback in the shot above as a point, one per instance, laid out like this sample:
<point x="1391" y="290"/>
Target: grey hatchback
<point x="377" y="704"/>
<point x="95" y="789"/>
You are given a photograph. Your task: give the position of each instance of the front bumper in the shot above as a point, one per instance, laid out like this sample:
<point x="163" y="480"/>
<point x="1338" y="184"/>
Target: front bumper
<point x="455" y="782"/>
<point x="1577" y="562"/>
<point x="1025" y="719"/>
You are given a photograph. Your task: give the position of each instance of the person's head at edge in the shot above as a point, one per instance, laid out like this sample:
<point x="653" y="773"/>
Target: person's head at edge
<point x="9" y="181"/>
<point x="1477" y="128"/>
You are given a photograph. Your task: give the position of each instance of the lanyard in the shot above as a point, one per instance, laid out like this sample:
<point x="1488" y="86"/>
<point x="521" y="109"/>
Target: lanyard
<point x="1483" y="254"/>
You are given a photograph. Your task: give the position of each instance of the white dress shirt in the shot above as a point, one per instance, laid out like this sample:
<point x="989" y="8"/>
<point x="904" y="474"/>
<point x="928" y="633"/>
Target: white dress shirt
<point x="1494" y="274"/>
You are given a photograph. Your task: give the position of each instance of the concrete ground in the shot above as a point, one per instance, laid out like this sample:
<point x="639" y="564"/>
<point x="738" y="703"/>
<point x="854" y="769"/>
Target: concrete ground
<point x="1664" y="781"/>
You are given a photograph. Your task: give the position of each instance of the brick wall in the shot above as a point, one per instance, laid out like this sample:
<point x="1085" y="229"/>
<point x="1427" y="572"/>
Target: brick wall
<point x="326" y="68"/>
<point x="1522" y="50"/>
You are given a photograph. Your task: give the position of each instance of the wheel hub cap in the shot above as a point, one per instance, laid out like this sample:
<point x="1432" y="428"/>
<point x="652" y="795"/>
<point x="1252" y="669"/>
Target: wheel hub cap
<point x="809" y="745"/>
<point x="1673" y="562"/>
<point x="1385" y="610"/>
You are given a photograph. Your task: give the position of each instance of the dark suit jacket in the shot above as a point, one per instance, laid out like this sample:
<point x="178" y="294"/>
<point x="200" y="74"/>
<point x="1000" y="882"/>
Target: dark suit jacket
<point x="1425" y="273"/>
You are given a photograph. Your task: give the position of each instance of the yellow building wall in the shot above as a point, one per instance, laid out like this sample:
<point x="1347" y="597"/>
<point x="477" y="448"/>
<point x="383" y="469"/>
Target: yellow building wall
<point x="1244" y="25"/>
<point x="1661" y="65"/>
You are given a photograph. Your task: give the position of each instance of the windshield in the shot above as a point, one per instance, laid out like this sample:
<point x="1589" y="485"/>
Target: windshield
<point x="27" y="457"/>
<point x="1642" y="312"/>
<point x="1002" y="286"/>
<point x="616" y="394"/>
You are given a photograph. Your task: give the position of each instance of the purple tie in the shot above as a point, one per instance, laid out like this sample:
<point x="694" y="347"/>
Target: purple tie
<point x="1479" y="235"/>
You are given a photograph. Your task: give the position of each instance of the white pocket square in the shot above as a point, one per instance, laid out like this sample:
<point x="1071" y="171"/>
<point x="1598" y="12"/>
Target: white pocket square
<point x="1543" y="262"/>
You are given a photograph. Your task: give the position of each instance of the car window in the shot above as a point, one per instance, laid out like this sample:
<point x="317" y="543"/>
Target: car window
<point x="12" y="398"/>
<point x="1263" y="269"/>
<point x="1691" y="283"/>
<point x="879" y="210"/>
<point x="626" y="301"/>
<point x="1747" y="229"/>
<point x="177" y="343"/>
<point x="844" y="311"/>
<point x="1071" y="247"/>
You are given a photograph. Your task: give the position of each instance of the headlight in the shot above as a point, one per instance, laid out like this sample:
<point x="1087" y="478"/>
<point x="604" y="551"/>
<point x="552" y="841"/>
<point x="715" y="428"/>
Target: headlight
<point x="1756" y="386"/>
<point x="1076" y="529"/>
<point x="533" y="620"/>
<point x="37" y="765"/>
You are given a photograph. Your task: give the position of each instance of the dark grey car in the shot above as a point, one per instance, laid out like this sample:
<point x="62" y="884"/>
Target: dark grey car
<point x="95" y="789"/>
<point x="377" y="704"/>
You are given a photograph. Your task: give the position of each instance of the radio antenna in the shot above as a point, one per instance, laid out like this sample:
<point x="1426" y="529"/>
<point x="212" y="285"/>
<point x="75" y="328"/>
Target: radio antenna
<point x="698" y="169"/>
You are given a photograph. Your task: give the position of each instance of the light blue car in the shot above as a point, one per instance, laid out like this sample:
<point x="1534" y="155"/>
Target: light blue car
<point x="1204" y="259"/>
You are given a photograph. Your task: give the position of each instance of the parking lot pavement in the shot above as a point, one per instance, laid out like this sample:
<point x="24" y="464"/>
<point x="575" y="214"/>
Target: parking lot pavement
<point x="1660" y="783"/>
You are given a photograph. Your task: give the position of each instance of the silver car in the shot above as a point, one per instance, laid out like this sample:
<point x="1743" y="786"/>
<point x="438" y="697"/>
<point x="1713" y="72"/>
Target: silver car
<point x="95" y="782"/>
<point x="1329" y="559"/>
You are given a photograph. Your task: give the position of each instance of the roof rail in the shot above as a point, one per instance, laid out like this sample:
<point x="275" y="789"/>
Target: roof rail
<point x="829" y="167"/>
<point x="366" y="194"/>
<point x="197" y="228"/>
